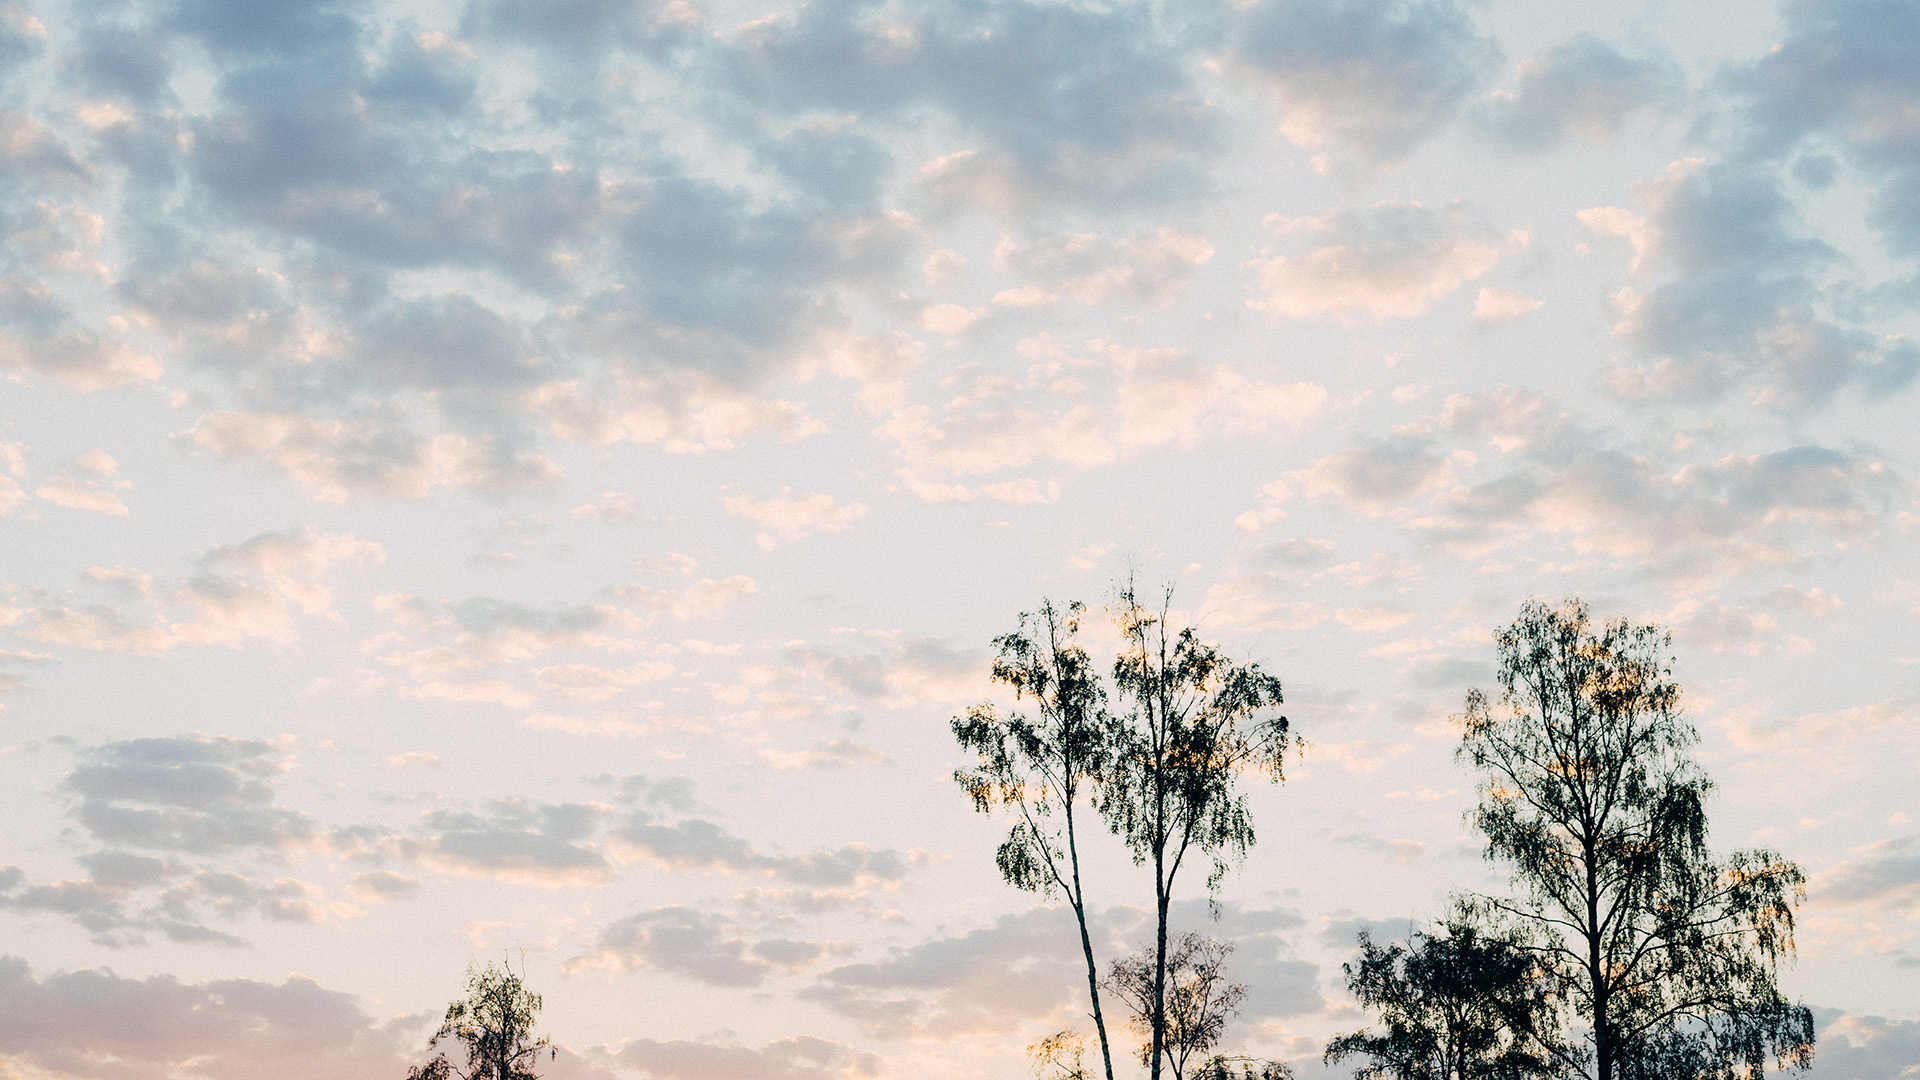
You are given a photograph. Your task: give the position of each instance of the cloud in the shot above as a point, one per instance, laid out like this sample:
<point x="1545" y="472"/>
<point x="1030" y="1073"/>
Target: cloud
<point x="1025" y="971"/>
<point x="255" y="590"/>
<point x="374" y="454"/>
<point x="1866" y="1046"/>
<point x="1149" y="270"/>
<point x="331" y="148"/>
<point x="612" y="506"/>
<point x="1581" y="88"/>
<point x="1083" y="105"/>
<point x="1372" y="78"/>
<point x="1882" y="874"/>
<point x="1682" y="519"/>
<point x="905" y="673"/>
<point x="544" y="844"/>
<point x="1078" y="410"/>
<point x="1022" y="968"/>
<point x="1166" y="395"/>
<point x="55" y="346"/>
<point x="1391" y="260"/>
<point x="380" y="885"/>
<point x="1842" y="78"/>
<point x="94" y="626"/>
<point x="88" y="484"/>
<point x="482" y="649"/>
<point x="678" y="940"/>
<point x="701" y="599"/>
<point x="787" y="517"/>
<point x="692" y="845"/>
<point x="483" y="632"/>
<point x="1725" y="627"/>
<point x="1498" y="305"/>
<point x="193" y="794"/>
<point x="94" y="1025"/>
<point x="126" y="897"/>
<point x="1438" y="671"/>
<point x="801" y="1058"/>
<point x="32" y="151"/>
<point x="1725" y="297"/>
<point x="824" y="754"/>
<point x="1378" y="477"/>
<point x="585" y="682"/>
<point x="193" y="801"/>
<point x="684" y="412"/>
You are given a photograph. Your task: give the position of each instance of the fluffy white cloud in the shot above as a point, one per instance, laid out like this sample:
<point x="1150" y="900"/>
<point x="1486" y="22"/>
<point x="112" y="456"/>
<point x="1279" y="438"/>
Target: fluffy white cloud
<point x="787" y="517"/>
<point x="1079" y="410"/>
<point x="88" y="484"/>
<point x="1390" y="260"/>
<point x="379" y="455"/>
<point x="255" y="590"/>
<point x="1373" y="78"/>
<point x="1727" y="295"/>
<point x="92" y="1024"/>
<point x="1498" y="305"/>
<point x="1151" y="270"/>
<point x="1581" y="87"/>
<point x="1687" y="520"/>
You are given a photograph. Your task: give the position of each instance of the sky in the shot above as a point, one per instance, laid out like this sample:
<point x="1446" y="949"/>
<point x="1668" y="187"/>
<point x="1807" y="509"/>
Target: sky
<point x="534" y="479"/>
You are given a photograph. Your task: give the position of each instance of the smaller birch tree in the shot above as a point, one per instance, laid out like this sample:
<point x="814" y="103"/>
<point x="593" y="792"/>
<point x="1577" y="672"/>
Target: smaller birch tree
<point x="1043" y="769"/>
<point x="495" y="1023"/>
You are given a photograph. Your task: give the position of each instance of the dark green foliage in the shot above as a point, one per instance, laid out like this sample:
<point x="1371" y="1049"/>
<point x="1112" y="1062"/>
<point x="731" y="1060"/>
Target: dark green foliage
<point x="1042" y="769"/>
<point x="1462" y="1005"/>
<point x="495" y="1022"/>
<point x="1242" y="1068"/>
<point x="1667" y="953"/>
<point x="1194" y="722"/>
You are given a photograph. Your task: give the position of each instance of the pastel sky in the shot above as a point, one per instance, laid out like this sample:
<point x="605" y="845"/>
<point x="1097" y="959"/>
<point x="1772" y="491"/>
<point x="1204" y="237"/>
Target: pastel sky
<point x="535" y="478"/>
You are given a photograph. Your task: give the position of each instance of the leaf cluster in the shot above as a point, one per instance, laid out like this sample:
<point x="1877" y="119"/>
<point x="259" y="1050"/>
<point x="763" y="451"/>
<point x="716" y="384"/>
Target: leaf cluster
<point x="1460" y="1005"/>
<point x="494" y="1023"/>
<point x="1196" y="721"/>
<point x="1592" y="800"/>
<point x="1041" y="766"/>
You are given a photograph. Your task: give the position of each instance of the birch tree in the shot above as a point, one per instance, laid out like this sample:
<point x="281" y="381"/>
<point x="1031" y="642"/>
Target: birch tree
<point x="1045" y="768"/>
<point x="1193" y="722"/>
<point x="1669" y="954"/>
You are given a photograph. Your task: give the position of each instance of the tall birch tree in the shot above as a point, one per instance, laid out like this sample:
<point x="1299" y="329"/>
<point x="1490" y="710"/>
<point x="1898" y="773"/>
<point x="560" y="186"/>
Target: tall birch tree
<point x="1044" y="769"/>
<point x="1668" y="954"/>
<point x="1193" y="721"/>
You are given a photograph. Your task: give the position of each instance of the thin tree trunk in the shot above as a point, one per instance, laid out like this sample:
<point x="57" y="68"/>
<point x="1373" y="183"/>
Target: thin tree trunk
<point x="1086" y="946"/>
<point x="1159" y="967"/>
<point x="1603" y="1049"/>
<point x="1160" y="889"/>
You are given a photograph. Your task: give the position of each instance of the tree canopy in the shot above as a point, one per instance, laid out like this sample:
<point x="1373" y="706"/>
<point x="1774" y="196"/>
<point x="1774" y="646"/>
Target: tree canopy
<point x="1043" y="768"/>
<point x="494" y="1023"/>
<point x="1668" y="954"/>
<point x="1193" y="722"/>
<point x="1458" y="1005"/>
<point x="1158" y="751"/>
